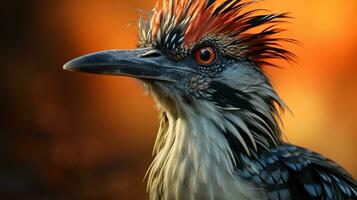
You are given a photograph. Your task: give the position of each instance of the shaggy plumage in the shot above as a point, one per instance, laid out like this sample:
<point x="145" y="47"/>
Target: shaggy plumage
<point x="219" y="135"/>
<point x="203" y="153"/>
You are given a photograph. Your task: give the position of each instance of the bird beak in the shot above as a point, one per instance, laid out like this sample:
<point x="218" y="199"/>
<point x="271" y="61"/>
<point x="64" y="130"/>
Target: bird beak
<point x="145" y="63"/>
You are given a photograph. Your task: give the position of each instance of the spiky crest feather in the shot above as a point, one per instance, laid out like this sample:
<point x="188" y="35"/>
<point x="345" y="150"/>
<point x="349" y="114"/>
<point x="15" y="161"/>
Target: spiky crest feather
<point x="176" y="26"/>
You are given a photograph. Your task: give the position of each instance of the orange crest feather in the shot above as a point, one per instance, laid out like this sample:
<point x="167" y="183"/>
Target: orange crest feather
<point x="178" y="25"/>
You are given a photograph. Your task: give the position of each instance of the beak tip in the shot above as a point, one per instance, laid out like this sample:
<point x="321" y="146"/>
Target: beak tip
<point x="71" y="65"/>
<point x="68" y="66"/>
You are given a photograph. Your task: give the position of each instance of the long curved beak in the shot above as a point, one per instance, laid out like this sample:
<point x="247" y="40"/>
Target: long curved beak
<point x="145" y="63"/>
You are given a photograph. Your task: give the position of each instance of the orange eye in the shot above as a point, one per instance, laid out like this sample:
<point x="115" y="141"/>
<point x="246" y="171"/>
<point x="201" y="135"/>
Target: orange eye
<point x="205" y="55"/>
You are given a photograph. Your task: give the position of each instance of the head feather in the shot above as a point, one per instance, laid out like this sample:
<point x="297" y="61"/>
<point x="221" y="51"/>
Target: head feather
<point x="176" y="26"/>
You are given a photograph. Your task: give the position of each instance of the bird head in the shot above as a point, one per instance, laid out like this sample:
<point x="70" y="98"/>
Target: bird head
<point x="200" y="52"/>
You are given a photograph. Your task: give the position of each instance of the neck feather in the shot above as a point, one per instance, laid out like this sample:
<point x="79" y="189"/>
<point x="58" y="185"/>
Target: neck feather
<point x="250" y="122"/>
<point x="194" y="161"/>
<point x="200" y="144"/>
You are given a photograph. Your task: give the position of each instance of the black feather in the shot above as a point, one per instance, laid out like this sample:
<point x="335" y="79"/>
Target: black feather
<point x="301" y="173"/>
<point x="209" y="3"/>
<point x="225" y="96"/>
<point x="221" y="7"/>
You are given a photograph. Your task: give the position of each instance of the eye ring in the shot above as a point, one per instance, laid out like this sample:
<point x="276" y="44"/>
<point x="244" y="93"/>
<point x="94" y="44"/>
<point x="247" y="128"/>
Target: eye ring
<point x="205" y="55"/>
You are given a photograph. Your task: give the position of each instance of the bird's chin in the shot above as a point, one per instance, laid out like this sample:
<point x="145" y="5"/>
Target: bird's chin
<point x="154" y="87"/>
<point x="163" y="92"/>
<point x="157" y="85"/>
<point x="146" y="81"/>
<point x="150" y="85"/>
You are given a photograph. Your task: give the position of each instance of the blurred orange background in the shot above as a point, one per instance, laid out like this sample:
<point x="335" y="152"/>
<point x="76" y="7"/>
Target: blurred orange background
<point x="78" y="136"/>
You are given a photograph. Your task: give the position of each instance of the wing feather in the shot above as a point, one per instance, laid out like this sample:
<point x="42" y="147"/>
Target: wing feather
<point x="291" y="172"/>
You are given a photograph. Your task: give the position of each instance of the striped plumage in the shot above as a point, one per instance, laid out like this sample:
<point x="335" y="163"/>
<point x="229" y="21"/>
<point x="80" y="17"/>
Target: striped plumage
<point x="219" y="135"/>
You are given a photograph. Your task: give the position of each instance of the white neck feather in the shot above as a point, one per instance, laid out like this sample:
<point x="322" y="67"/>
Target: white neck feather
<point x="194" y="160"/>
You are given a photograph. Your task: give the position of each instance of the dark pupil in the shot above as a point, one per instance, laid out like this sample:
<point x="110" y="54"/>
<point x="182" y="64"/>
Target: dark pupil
<point x="205" y="54"/>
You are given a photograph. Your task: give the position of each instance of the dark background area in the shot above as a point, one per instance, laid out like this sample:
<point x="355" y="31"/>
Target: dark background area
<point x="54" y="140"/>
<point x="77" y="136"/>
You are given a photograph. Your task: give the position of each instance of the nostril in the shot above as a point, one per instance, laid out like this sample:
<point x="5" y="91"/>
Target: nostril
<point x="151" y="54"/>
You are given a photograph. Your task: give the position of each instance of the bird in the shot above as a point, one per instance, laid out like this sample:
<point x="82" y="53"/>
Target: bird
<point x="220" y="134"/>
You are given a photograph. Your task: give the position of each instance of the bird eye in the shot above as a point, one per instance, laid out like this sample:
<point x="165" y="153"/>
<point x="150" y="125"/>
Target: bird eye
<point x="205" y="55"/>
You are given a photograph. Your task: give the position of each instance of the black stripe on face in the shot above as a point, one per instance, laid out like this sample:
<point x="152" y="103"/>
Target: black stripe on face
<point x="225" y="96"/>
